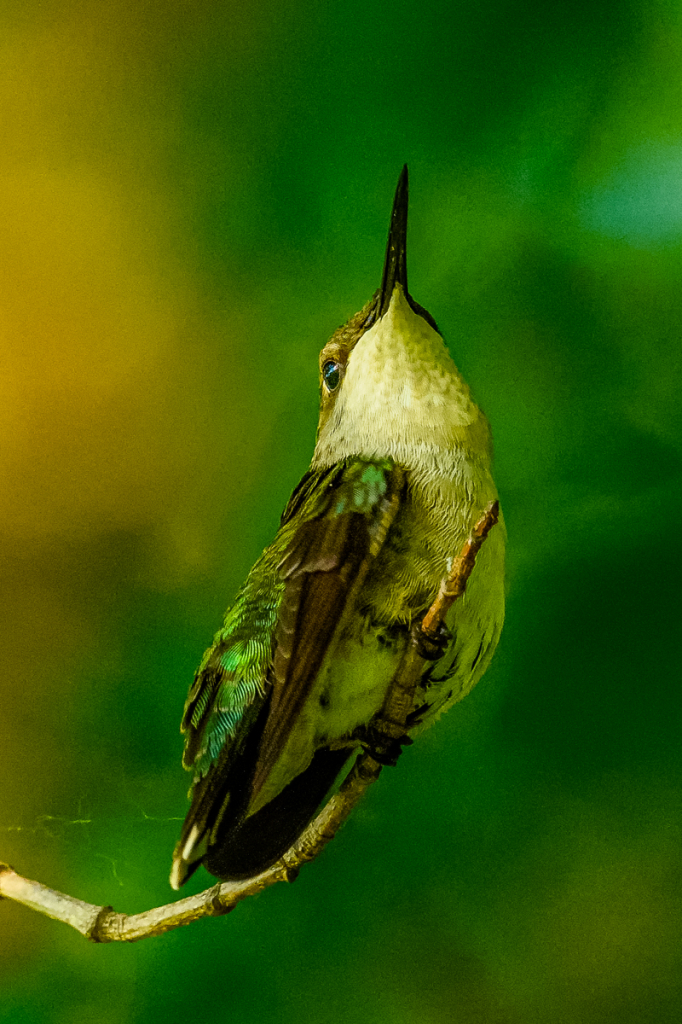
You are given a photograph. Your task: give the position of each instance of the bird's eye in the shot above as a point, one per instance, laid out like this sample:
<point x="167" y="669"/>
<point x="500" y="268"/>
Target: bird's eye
<point x="331" y="374"/>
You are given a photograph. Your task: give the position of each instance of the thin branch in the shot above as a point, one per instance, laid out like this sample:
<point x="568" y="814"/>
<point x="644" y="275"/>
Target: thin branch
<point x="104" y="924"/>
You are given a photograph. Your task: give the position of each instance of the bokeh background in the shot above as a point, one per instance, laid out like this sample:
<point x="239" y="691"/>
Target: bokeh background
<point x="193" y="195"/>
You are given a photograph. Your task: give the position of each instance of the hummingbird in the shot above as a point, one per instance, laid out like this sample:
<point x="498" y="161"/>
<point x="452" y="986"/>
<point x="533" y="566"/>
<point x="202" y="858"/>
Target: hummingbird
<point x="284" y="699"/>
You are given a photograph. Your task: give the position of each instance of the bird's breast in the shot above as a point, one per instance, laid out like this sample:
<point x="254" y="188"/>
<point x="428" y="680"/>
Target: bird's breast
<point x="446" y="494"/>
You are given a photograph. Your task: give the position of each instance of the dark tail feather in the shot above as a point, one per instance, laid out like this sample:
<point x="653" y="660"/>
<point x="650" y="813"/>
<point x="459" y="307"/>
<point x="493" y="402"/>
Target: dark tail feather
<point x="255" y="843"/>
<point x="223" y="794"/>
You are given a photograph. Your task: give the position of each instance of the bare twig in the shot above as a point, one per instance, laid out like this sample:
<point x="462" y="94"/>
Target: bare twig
<point x="103" y="924"/>
<point x="454" y="586"/>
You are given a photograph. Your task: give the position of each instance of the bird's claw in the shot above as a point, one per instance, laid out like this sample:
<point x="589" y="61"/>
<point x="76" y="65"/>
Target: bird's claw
<point x="432" y="645"/>
<point x="384" y="749"/>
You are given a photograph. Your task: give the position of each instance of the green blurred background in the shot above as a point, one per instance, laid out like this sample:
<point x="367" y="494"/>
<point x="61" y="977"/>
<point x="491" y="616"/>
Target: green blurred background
<point x="193" y="195"/>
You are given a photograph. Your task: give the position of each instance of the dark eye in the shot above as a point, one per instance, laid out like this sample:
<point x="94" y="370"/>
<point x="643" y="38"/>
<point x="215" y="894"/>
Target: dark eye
<point x="331" y="374"/>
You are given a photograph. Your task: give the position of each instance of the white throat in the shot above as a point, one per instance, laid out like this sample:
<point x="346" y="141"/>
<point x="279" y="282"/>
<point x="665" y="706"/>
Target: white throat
<point x="402" y="396"/>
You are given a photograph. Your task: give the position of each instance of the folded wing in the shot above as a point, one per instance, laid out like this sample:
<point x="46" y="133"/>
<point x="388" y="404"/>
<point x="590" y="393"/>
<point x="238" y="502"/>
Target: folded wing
<point x="257" y="676"/>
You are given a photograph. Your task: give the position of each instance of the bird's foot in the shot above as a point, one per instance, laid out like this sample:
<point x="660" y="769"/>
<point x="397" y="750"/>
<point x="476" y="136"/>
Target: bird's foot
<point x="431" y="645"/>
<point x="383" y="748"/>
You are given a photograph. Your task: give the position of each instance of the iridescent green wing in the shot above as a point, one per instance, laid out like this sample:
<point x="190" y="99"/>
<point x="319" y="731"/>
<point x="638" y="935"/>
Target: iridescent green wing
<point x="284" y="615"/>
<point x="231" y="677"/>
<point x="230" y="684"/>
<point x="324" y="567"/>
<point x="260" y="669"/>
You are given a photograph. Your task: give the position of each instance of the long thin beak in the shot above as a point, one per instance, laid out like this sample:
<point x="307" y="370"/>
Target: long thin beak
<point x="395" y="265"/>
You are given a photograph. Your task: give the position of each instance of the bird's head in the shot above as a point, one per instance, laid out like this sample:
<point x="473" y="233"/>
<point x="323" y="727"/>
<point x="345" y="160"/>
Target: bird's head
<point x="388" y="385"/>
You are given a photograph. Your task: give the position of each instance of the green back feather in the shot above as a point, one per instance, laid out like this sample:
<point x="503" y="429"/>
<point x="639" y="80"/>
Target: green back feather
<point x="233" y="674"/>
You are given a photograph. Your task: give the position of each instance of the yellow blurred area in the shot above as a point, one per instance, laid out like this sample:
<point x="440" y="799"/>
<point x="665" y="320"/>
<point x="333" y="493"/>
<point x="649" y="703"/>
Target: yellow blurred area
<point x="106" y="361"/>
<point x="109" y="355"/>
<point x="87" y="346"/>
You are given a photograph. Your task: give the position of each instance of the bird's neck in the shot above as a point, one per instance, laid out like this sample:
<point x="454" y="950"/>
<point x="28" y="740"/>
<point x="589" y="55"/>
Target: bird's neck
<point x="403" y="398"/>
